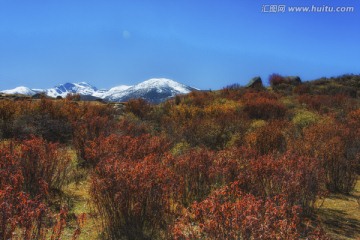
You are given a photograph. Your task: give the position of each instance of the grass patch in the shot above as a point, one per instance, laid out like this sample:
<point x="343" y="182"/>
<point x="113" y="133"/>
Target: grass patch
<point x="79" y="201"/>
<point x="340" y="215"/>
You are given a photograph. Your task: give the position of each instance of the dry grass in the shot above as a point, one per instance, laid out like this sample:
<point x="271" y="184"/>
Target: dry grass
<point x="340" y="215"/>
<point x="79" y="201"/>
<point x="76" y="196"/>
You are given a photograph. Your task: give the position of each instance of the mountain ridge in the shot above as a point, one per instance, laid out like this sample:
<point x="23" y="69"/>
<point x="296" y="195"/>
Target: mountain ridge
<point x="154" y="90"/>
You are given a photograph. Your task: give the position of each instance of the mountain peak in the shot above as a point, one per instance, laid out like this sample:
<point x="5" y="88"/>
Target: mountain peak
<point x="161" y="83"/>
<point x="154" y="90"/>
<point x="62" y="90"/>
<point x="19" y="90"/>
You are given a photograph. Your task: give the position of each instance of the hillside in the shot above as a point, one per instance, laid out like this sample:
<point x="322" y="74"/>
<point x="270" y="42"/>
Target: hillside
<point x="255" y="162"/>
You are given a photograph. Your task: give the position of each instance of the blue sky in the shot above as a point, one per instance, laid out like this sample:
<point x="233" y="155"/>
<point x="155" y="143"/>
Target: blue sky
<point x="206" y="44"/>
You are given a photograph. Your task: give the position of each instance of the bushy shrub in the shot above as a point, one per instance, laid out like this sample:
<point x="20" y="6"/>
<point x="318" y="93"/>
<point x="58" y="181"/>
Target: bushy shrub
<point x="135" y="200"/>
<point x="353" y="122"/>
<point x="132" y="126"/>
<point x="268" y="138"/>
<point x="231" y="214"/>
<point x="264" y="108"/>
<point x="228" y="165"/>
<point x="42" y="166"/>
<point x="301" y="180"/>
<point x="198" y="98"/>
<point x="26" y="171"/>
<point x="305" y="118"/>
<point x="195" y="169"/>
<point x="131" y="148"/>
<point x="276" y="79"/>
<point x="139" y="107"/>
<point x="206" y="132"/>
<point x="303" y="89"/>
<point x="326" y="103"/>
<point x="95" y="122"/>
<point x="42" y="125"/>
<point x="332" y="143"/>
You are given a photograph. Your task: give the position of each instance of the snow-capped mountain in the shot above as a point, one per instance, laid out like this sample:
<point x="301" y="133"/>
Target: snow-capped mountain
<point x="19" y="90"/>
<point x="106" y="93"/>
<point x="154" y="90"/>
<point x="62" y="90"/>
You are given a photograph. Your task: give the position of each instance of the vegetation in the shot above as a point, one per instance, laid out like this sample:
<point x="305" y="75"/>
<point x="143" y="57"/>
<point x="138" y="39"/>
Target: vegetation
<point x="238" y="163"/>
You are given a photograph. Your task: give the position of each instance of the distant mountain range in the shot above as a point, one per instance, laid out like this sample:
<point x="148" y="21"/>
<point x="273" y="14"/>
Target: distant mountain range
<point x="154" y="90"/>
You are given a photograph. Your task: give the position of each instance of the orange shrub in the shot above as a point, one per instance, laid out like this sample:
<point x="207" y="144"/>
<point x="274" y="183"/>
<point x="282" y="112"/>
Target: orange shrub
<point x="91" y="125"/>
<point x="300" y="179"/>
<point x="194" y="168"/>
<point x="276" y="79"/>
<point x="333" y="145"/>
<point x="231" y="214"/>
<point x="23" y="216"/>
<point x="264" y="108"/>
<point x="134" y="199"/>
<point x="229" y="163"/>
<point x="353" y="122"/>
<point x="326" y="103"/>
<point x="132" y="127"/>
<point x="198" y="98"/>
<point x="41" y="165"/>
<point x="127" y="147"/>
<point x="139" y="107"/>
<point x="268" y="138"/>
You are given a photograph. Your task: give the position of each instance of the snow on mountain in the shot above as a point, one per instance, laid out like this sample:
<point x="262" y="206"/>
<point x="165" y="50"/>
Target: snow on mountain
<point x="62" y="90"/>
<point x="154" y="90"/>
<point x="19" y="90"/>
<point x="161" y="83"/>
<point x="112" y="91"/>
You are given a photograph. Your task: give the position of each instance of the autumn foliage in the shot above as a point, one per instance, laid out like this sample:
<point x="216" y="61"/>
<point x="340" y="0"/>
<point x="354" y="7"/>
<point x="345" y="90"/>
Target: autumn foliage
<point x="334" y="146"/>
<point x="238" y="163"/>
<point x="28" y="171"/>
<point x="229" y="213"/>
<point x="135" y="197"/>
<point x="259" y="106"/>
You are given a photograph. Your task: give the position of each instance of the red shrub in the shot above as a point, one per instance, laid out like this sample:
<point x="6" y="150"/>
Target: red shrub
<point x="95" y="121"/>
<point x="194" y="168"/>
<point x="129" y="148"/>
<point x="276" y="79"/>
<point x="198" y="98"/>
<point x="300" y="179"/>
<point x="302" y="89"/>
<point x="23" y="216"/>
<point x="18" y="210"/>
<point x="229" y="163"/>
<point x="269" y="138"/>
<point x="139" y="107"/>
<point x="335" y="147"/>
<point x="44" y="165"/>
<point x="37" y="164"/>
<point x="264" y="108"/>
<point x="134" y="199"/>
<point x="133" y="127"/>
<point x="251" y="95"/>
<point x="326" y="103"/>
<point x="230" y="214"/>
<point x="353" y="122"/>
